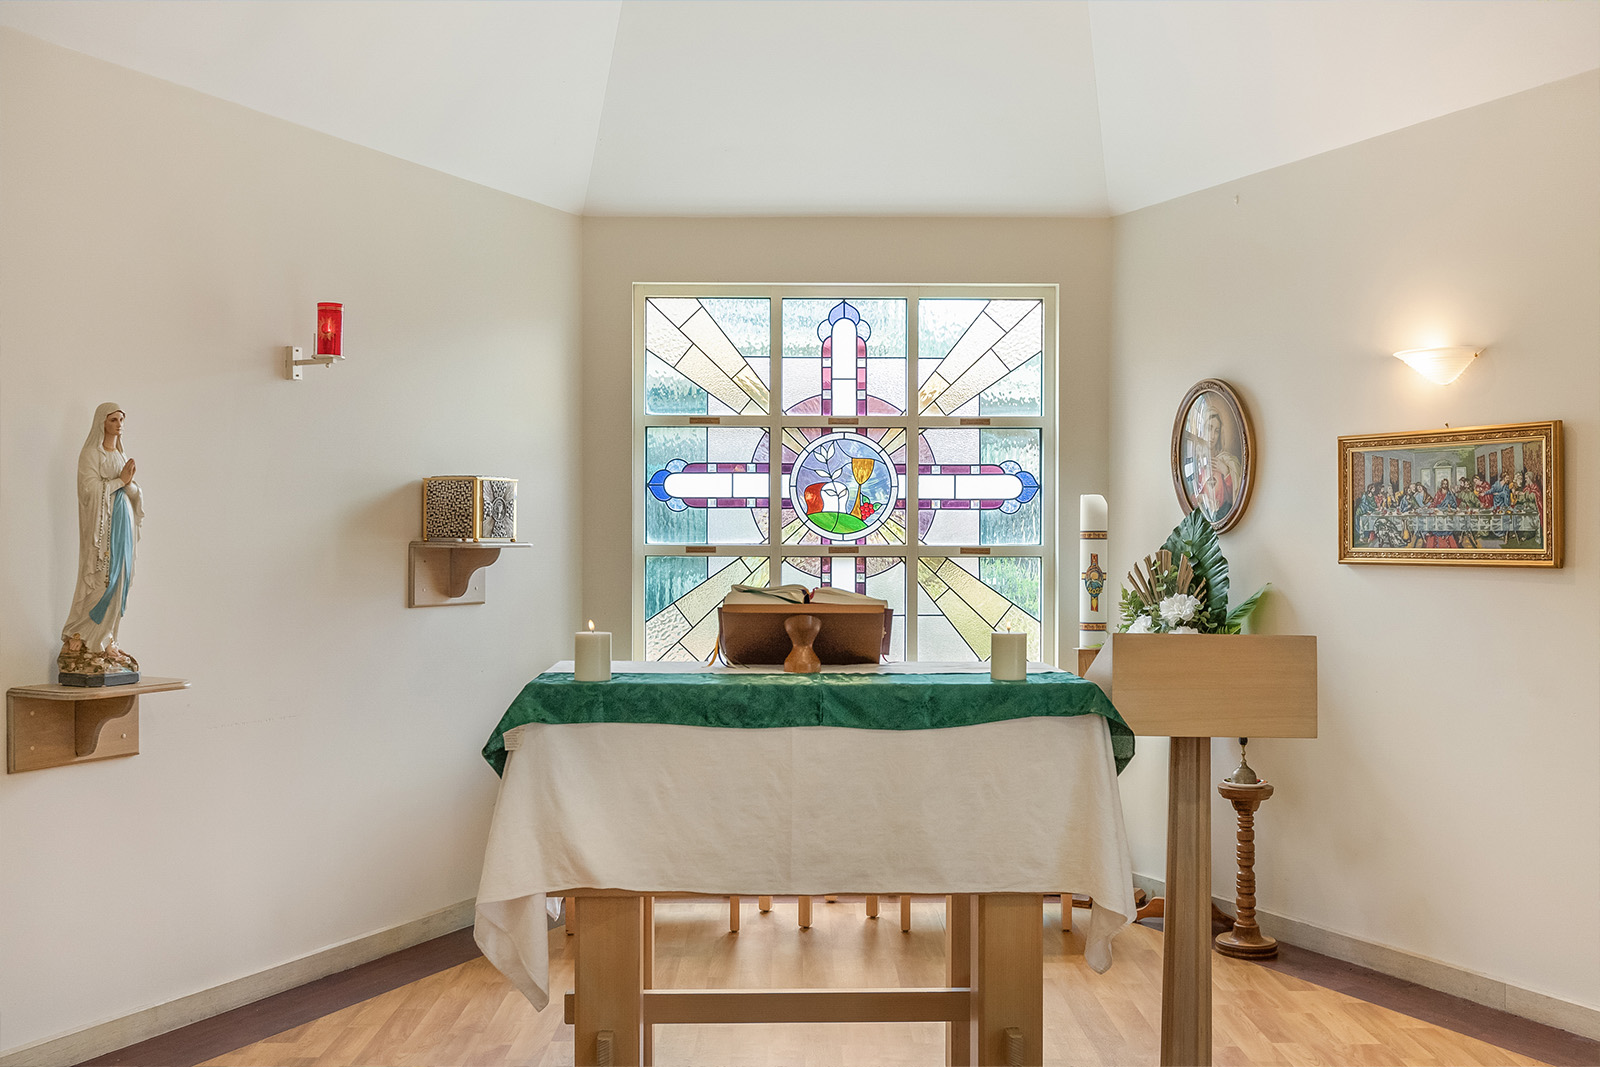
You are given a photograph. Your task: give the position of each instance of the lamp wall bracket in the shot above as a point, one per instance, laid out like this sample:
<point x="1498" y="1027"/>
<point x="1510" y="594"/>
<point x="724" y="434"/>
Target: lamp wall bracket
<point x="294" y="361"/>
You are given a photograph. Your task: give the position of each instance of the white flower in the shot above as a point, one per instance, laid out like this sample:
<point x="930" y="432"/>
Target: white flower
<point x="1186" y="630"/>
<point x="1180" y="607"/>
<point x="1140" y="625"/>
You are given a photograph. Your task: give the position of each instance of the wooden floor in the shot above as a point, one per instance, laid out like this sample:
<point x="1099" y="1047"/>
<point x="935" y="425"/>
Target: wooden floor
<point x="469" y="1015"/>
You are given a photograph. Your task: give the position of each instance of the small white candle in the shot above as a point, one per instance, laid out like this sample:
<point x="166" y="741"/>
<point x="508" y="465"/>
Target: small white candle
<point x="1094" y="584"/>
<point x="1008" y="656"/>
<point x="591" y="659"/>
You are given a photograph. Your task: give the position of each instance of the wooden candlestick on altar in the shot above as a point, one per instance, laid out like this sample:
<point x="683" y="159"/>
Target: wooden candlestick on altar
<point x="1246" y="941"/>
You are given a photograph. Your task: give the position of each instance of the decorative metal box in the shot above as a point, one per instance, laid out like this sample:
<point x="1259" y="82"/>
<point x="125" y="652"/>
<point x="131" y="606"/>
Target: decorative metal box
<point x="467" y="507"/>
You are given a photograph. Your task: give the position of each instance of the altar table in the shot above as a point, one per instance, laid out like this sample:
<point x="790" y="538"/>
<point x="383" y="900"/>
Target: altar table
<point x="915" y="778"/>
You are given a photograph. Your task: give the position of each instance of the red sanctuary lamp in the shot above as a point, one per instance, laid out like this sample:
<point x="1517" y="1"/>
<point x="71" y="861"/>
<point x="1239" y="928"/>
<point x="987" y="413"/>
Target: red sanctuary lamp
<point x="330" y="342"/>
<point x="330" y="329"/>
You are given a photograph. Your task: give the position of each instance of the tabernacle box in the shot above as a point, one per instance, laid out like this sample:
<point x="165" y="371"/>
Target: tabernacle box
<point x="851" y="633"/>
<point x="469" y="507"/>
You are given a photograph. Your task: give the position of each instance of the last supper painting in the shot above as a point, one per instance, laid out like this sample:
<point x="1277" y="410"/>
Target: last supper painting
<point x="1486" y="495"/>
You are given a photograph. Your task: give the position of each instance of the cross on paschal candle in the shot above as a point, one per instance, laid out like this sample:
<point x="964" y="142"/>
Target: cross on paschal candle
<point x="1094" y="581"/>
<point x="1092" y="525"/>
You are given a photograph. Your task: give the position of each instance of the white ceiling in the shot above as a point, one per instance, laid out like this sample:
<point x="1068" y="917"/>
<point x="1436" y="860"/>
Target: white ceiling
<point x="840" y="107"/>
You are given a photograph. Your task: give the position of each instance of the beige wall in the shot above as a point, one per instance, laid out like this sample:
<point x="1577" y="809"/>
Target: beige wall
<point x="1451" y="806"/>
<point x="320" y="781"/>
<point x="617" y="252"/>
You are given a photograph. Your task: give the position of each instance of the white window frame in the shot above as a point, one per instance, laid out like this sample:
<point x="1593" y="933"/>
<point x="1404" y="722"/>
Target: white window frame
<point x="774" y="551"/>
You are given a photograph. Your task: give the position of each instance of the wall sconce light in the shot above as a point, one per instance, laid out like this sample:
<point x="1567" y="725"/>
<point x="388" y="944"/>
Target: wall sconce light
<point x="1441" y="366"/>
<point x="330" y="341"/>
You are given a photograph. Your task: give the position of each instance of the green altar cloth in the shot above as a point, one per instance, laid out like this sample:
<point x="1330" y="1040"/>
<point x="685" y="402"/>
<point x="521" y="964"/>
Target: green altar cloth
<point x="859" y="701"/>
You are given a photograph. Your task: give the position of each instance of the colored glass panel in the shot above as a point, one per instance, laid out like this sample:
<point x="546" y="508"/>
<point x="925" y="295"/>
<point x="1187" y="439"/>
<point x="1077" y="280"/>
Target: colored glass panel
<point x="962" y="601"/>
<point x="844" y="358"/>
<point x="707" y="356"/>
<point x="682" y="594"/>
<point x="980" y="357"/>
<point x="883" y="577"/>
<point x="844" y="486"/>
<point x="705" y="485"/>
<point x="979" y="486"/>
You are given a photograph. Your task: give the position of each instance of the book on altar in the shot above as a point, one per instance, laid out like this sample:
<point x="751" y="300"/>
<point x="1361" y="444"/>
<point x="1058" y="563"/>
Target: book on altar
<point x="855" y="628"/>
<point x="799" y="594"/>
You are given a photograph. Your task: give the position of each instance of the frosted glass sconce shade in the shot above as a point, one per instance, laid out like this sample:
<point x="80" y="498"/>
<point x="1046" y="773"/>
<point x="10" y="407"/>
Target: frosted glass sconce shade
<point x="1440" y="366"/>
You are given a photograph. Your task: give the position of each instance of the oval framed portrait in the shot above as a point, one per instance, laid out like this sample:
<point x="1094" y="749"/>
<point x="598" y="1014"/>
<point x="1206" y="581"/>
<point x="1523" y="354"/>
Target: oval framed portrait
<point x="1213" y="453"/>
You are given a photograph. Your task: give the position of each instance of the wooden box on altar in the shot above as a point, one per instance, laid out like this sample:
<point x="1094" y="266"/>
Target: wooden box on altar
<point x="851" y="633"/>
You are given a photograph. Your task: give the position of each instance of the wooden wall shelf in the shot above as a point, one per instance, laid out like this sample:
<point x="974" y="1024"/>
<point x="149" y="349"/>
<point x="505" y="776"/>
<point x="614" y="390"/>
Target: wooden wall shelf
<point x="451" y="572"/>
<point x="54" y="725"/>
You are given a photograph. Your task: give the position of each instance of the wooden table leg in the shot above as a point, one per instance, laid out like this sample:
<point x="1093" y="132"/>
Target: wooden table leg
<point x="1186" y="947"/>
<point x="609" y="975"/>
<point x="1008" y="979"/>
<point x="958" y="974"/>
<point x="647" y="974"/>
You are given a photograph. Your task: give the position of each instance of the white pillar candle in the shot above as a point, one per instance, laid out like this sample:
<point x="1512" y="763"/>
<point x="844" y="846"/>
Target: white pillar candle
<point x="1008" y="656"/>
<point x="591" y="658"/>
<point x="1094" y="585"/>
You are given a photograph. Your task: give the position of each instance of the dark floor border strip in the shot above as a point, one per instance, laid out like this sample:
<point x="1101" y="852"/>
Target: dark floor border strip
<point x="1560" y="1048"/>
<point x="1557" y="1047"/>
<point x="210" y="1038"/>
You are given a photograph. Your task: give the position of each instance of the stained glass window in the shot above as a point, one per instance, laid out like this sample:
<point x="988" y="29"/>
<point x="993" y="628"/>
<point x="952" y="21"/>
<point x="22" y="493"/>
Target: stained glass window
<point x="681" y="596"/>
<point x="980" y="357"/>
<point x="964" y="599"/>
<point x="844" y="357"/>
<point x="979" y="487"/>
<point x="707" y="356"/>
<point x="706" y="485"/>
<point x="886" y="404"/>
<point x="844" y="487"/>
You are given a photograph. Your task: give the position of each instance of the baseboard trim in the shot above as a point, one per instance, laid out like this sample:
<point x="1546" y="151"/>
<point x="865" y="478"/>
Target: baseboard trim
<point x="1421" y="970"/>
<point x="114" y="1034"/>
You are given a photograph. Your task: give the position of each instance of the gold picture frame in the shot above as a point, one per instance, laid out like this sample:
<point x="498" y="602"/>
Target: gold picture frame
<point x="1477" y="496"/>
<point x="1213" y="453"/>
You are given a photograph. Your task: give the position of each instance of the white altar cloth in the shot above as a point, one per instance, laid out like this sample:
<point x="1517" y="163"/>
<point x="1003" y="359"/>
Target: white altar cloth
<point x="1017" y="806"/>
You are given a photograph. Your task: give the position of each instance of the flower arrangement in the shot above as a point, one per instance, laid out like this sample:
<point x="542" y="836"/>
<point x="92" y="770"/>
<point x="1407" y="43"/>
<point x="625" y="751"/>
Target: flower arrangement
<point x="1183" y="588"/>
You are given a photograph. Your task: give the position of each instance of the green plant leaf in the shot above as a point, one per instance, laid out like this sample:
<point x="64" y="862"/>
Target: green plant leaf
<point x="1194" y="537"/>
<point x="1238" y="616"/>
<point x="1131" y="607"/>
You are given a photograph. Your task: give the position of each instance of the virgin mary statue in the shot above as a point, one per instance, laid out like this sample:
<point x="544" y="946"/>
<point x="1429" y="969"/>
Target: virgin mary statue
<point x="110" y="511"/>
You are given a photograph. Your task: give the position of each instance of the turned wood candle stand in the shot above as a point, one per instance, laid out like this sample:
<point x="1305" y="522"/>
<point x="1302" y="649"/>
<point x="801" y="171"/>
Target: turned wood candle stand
<point x="1245" y="940"/>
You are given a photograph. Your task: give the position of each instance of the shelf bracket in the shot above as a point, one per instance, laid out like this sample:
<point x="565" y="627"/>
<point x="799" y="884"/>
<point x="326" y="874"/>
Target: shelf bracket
<point x="451" y="572"/>
<point x="90" y="718"/>
<point x="54" y="725"/>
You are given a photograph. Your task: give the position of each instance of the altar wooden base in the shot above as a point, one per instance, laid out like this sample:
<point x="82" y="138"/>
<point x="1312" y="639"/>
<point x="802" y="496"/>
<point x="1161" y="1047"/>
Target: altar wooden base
<point x="993" y="1006"/>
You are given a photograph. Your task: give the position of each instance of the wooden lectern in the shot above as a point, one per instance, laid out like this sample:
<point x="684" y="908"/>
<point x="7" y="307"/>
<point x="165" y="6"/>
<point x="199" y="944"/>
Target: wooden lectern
<point x="851" y="633"/>
<point x="1191" y="688"/>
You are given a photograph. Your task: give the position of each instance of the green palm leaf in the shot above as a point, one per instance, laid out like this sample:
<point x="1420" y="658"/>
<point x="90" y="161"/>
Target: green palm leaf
<point x="1237" y="617"/>
<point x="1194" y="537"/>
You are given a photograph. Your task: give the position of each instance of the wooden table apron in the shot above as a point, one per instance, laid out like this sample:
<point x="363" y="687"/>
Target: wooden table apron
<point x="992" y="1004"/>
